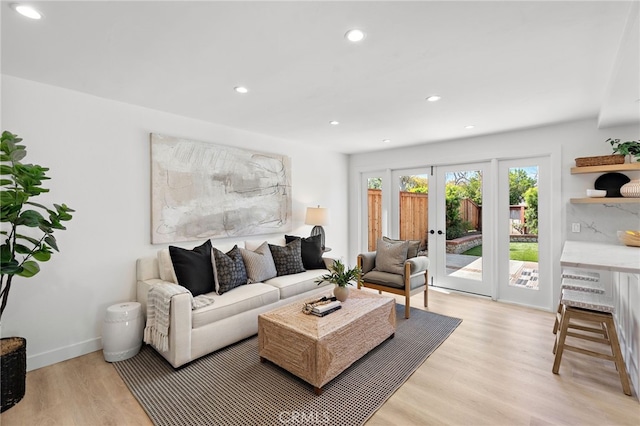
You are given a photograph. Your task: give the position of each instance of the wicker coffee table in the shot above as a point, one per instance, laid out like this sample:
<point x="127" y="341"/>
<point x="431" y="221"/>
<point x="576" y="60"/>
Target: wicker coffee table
<point x="317" y="349"/>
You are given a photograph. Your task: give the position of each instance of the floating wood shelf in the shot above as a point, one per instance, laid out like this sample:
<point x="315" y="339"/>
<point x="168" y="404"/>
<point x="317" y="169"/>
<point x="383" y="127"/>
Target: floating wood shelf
<point x="604" y="169"/>
<point x="605" y="200"/>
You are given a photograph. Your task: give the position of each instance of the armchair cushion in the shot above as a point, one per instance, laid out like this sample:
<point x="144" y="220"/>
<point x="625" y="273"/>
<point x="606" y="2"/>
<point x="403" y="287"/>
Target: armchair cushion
<point x="418" y="264"/>
<point x="390" y="256"/>
<point x="412" y="250"/>
<point x="384" y="278"/>
<point x="368" y="261"/>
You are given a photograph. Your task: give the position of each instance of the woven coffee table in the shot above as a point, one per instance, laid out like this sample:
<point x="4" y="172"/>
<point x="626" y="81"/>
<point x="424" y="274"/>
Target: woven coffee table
<point x="317" y="349"/>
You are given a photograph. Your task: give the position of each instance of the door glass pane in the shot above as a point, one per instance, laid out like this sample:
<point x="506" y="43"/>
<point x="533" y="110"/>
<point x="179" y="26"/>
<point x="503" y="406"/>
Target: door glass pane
<point x="414" y="208"/>
<point x="523" y="227"/>
<point x="374" y="211"/>
<point x="463" y="224"/>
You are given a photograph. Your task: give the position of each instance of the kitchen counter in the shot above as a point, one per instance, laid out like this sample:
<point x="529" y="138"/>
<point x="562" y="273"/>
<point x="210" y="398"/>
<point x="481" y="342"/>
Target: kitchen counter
<point x="610" y="257"/>
<point x="624" y="264"/>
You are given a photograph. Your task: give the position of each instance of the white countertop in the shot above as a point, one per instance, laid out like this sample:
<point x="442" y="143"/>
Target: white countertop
<point x="610" y="257"/>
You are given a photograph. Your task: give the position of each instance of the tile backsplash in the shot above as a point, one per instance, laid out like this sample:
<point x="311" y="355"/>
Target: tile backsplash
<point x="600" y="222"/>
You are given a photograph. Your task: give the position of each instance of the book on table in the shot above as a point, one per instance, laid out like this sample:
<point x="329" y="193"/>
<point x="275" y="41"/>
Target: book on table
<point x="326" y="308"/>
<point x="327" y="312"/>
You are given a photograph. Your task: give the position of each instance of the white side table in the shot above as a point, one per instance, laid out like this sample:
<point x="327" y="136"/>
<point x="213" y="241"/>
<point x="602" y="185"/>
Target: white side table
<point x="122" y="331"/>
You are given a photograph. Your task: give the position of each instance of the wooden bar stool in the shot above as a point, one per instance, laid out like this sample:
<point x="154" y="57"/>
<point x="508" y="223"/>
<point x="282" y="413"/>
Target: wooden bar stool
<point x="590" y="308"/>
<point x="588" y="282"/>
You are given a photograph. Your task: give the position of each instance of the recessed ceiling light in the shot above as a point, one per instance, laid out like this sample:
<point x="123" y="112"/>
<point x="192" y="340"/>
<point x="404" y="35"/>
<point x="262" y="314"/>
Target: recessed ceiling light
<point x="355" y="35"/>
<point x="334" y="122"/>
<point x="241" y="89"/>
<point x="386" y="140"/>
<point x="470" y="126"/>
<point x="434" y="98"/>
<point x="26" y="10"/>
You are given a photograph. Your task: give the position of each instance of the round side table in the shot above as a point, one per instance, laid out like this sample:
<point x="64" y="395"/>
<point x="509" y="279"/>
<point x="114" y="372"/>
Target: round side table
<point x="122" y="331"/>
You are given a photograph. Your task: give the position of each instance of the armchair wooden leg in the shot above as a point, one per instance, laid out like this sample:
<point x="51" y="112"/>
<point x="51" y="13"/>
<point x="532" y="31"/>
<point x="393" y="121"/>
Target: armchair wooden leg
<point x="407" y="305"/>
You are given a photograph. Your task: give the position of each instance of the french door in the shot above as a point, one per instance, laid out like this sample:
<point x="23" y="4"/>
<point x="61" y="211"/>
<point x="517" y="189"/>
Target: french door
<point x="485" y="226"/>
<point x="523" y="232"/>
<point x="461" y="227"/>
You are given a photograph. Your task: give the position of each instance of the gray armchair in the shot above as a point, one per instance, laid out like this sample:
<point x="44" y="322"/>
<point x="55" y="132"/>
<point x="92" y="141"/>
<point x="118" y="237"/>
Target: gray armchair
<point x="414" y="279"/>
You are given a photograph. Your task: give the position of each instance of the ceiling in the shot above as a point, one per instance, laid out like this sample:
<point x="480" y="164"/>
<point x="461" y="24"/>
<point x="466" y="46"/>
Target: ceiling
<point x="497" y="65"/>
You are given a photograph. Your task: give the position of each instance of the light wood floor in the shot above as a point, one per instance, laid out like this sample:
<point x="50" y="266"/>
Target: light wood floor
<point x="495" y="369"/>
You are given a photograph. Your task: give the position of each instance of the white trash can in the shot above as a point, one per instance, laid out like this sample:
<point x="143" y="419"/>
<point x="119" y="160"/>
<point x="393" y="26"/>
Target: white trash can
<point x="122" y="331"/>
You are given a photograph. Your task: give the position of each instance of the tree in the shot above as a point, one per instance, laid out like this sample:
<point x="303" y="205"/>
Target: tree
<point x="374" y="183"/>
<point x="519" y="183"/>
<point x="531" y="211"/>
<point x="417" y="184"/>
<point x="455" y="226"/>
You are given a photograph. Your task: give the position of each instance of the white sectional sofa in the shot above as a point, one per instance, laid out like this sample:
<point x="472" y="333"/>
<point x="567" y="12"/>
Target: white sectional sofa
<point x="232" y="316"/>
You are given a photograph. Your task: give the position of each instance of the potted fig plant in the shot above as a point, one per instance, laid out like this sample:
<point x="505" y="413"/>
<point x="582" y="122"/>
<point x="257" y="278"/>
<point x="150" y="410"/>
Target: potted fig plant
<point x="27" y="238"/>
<point x="341" y="276"/>
<point x="630" y="148"/>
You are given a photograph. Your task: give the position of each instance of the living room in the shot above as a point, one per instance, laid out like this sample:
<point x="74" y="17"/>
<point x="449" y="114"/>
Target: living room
<point x="97" y="148"/>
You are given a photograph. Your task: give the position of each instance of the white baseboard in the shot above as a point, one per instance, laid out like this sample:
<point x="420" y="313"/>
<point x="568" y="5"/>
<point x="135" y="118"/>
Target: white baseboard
<point x="45" y="359"/>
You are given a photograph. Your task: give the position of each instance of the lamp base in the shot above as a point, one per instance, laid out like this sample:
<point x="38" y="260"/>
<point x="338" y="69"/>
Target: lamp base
<point x="318" y="230"/>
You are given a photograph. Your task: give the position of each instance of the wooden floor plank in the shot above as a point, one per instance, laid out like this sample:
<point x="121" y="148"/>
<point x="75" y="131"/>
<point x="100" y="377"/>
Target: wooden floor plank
<point x="494" y="369"/>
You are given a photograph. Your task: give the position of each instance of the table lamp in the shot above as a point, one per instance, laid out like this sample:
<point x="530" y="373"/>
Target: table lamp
<point x="317" y="216"/>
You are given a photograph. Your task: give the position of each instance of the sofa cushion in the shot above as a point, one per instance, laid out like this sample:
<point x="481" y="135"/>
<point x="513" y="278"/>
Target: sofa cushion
<point x="412" y="250"/>
<point x="311" y="250"/>
<point x="229" y="270"/>
<point x="288" y="259"/>
<point x="165" y="266"/>
<point x="259" y="263"/>
<point x="238" y="300"/>
<point x="390" y="256"/>
<point x="193" y="268"/>
<point x="292" y="285"/>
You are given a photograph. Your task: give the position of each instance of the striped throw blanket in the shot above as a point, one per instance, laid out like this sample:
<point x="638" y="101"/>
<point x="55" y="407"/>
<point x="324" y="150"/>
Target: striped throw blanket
<point x="156" y="331"/>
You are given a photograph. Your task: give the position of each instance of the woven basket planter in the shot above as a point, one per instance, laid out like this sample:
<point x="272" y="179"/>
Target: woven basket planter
<point x="603" y="160"/>
<point x="13" y="371"/>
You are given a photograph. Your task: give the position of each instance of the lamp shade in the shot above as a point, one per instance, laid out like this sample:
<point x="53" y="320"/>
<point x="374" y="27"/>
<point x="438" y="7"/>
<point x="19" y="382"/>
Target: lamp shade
<point x="317" y="216"/>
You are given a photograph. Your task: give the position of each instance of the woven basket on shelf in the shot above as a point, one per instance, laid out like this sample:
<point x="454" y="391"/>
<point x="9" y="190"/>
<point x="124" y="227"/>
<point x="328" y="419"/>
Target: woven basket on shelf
<point x="602" y="160"/>
<point x="13" y="371"/>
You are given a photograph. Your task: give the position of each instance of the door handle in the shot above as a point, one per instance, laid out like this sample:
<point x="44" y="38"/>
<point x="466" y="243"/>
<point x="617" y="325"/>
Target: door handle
<point x="440" y="232"/>
<point x="432" y="232"/>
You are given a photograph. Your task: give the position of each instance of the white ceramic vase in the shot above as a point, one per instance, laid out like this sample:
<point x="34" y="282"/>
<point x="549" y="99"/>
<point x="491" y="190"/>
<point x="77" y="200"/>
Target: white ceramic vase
<point x="341" y="293"/>
<point x="631" y="189"/>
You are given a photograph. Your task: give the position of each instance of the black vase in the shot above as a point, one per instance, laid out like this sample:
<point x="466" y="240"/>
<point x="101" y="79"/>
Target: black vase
<point x="13" y="371"/>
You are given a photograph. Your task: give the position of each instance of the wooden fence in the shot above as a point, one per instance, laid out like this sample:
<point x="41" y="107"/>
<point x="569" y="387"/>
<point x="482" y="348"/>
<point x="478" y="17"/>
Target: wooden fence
<point x="414" y="216"/>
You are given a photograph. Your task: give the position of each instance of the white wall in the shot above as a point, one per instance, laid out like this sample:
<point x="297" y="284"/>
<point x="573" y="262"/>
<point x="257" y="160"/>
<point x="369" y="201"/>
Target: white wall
<point x="98" y="153"/>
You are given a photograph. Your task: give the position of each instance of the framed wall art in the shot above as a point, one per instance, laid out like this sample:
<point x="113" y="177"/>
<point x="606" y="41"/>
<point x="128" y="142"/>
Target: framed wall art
<point x="204" y="190"/>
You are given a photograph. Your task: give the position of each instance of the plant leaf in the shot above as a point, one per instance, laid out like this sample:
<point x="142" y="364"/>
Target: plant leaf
<point x="31" y="218"/>
<point x="42" y="255"/>
<point x="29" y="269"/>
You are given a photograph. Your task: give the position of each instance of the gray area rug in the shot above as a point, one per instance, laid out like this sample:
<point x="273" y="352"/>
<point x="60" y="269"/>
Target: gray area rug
<point x="232" y="387"/>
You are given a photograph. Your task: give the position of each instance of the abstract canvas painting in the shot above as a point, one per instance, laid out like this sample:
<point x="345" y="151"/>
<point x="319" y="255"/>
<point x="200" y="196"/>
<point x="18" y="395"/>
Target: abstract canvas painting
<point x="203" y="190"/>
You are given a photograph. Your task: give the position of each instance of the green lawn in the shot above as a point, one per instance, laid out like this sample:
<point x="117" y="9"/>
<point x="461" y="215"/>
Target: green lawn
<point x="527" y="252"/>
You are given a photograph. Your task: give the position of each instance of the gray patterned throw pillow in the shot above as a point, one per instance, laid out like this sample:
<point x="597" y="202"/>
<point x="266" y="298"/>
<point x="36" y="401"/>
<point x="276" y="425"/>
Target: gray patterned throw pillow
<point x="259" y="263"/>
<point x="230" y="271"/>
<point x="288" y="259"/>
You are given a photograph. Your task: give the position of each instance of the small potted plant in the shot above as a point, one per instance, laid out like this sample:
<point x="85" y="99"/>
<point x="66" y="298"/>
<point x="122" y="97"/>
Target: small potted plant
<point x="341" y="276"/>
<point x="630" y="148"/>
